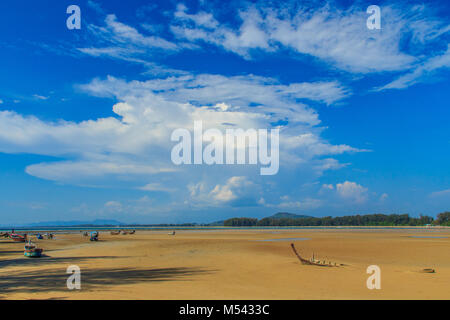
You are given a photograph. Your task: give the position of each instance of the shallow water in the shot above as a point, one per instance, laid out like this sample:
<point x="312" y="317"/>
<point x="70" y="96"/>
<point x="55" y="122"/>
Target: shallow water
<point x="430" y="237"/>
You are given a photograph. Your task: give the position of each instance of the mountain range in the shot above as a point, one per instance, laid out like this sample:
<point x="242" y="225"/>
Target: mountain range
<point x="105" y="222"/>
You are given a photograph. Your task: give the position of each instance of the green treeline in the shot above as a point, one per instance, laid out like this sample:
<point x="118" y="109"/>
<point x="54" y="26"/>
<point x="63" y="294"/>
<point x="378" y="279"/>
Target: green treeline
<point x="443" y="219"/>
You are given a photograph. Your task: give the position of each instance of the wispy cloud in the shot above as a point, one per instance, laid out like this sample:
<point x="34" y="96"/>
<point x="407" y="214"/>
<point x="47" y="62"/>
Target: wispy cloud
<point x="40" y="97"/>
<point x="339" y="37"/>
<point x="156" y="187"/>
<point x="421" y="73"/>
<point x="443" y="193"/>
<point x="118" y="40"/>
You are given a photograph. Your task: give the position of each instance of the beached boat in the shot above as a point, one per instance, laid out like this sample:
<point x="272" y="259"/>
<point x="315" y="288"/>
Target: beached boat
<point x="18" y="238"/>
<point x="94" y="236"/>
<point x="115" y="233"/>
<point x="32" y="251"/>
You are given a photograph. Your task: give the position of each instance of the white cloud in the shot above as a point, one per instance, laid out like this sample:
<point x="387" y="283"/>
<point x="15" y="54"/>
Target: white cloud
<point x="333" y="35"/>
<point x="230" y="190"/>
<point x="237" y="191"/>
<point x="81" y="171"/>
<point x="117" y="40"/>
<point x="383" y="197"/>
<point x="202" y="19"/>
<point x="421" y="73"/>
<point x="121" y="34"/>
<point x="133" y="146"/>
<point x="327" y="187"/>
<point x="443" y="193"/>
<point x="201" y="194"/>
<point x="95" y="6"/>
<point x="113" y="206"/>
<point x="337" y="36"/>
<point x="39" y="97"/>
<point x="352" y="191"/>
<point x="156" y="187"/>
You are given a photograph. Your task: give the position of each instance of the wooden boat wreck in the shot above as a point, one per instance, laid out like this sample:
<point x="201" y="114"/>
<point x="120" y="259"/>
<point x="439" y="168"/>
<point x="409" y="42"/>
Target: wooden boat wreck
<point x="311" y="262"/>
<point x="32" y="251"/>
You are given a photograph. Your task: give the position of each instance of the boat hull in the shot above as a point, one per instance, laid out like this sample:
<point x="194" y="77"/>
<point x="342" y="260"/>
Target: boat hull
<point x="33" y="254"/>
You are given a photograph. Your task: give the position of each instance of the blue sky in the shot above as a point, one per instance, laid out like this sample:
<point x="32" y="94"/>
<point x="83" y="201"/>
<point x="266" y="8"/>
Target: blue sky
<point x="86" y="115"/>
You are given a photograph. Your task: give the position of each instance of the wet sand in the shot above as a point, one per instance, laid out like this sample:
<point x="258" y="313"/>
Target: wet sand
<point x="232" y="264"/>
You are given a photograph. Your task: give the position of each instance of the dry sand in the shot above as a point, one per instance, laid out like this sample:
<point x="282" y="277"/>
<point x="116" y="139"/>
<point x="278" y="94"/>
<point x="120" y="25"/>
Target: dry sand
<point x="232" y="264"/>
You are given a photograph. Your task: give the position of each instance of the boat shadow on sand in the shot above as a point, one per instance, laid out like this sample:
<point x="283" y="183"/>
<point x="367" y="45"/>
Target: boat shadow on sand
<point x="45" y="259"/>
<point x="8" y="252"/>
<point x="37" y="281"/>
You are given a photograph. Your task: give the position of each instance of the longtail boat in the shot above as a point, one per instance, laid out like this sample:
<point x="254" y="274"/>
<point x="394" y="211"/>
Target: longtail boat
<point x="94" y="236"/>
<point x="18" y="238"/>
<point x="32" y="251"/>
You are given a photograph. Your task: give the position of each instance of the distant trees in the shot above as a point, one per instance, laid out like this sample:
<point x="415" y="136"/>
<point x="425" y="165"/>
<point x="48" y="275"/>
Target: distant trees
<point x="443" y="219"/>
<point x="356" y="220"/>
<point x="240" y="222"/>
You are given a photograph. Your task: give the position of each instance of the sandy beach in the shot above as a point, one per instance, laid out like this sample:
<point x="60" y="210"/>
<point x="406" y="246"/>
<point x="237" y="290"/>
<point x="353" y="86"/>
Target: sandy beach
<point x="232" y="264"/>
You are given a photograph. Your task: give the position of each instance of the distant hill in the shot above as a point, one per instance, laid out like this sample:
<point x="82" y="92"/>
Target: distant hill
<point x="281" y="215"/>
<point x="216" y="223"/>
<point x="98" y="222"/>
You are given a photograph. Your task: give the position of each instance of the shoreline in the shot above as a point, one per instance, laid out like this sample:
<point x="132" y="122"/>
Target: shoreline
<point x="73" y="229"/>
